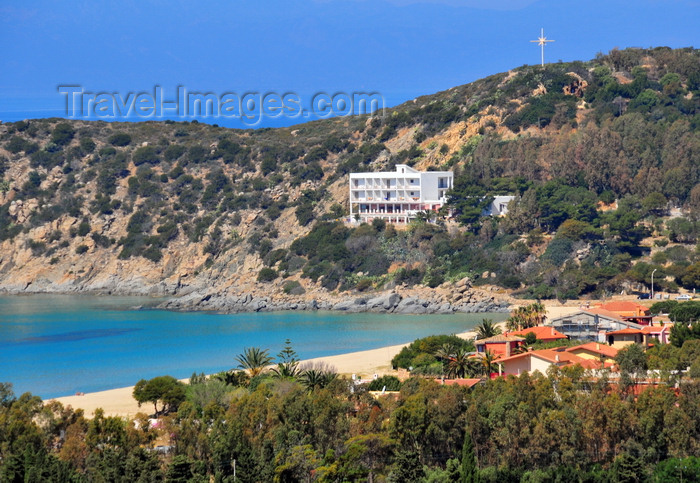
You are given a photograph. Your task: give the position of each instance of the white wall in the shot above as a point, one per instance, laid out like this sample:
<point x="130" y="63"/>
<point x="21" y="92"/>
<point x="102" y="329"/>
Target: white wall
<point x="517" y="366"/>
<point x="429" y="184"/>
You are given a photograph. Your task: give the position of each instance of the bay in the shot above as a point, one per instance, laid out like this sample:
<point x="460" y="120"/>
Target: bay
<point x="57" y="345"/>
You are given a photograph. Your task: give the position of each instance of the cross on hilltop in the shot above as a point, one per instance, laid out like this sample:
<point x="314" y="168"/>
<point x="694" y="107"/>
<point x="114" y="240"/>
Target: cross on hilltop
<point x="542" y="41"/>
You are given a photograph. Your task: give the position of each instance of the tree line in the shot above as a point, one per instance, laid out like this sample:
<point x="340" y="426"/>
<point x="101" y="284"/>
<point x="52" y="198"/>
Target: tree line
<point x="272" y="426"/>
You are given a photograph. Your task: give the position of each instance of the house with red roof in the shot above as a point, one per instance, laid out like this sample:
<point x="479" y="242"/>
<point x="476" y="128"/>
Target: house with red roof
<point x="625" y="337"/>
<point x="500" y="345"/>
<point x="657" y="334"/>
<point x="594" y="351"/>
<point x="629" y="311"/>
<point x="542" y="333"/>
<point x="591" y="324"/>
<point x="646" y="336"/>
<point x="541" y="360"/>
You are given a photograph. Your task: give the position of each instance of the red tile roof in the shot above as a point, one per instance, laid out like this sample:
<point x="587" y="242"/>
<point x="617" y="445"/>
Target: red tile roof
<point x="624" y="306"/>
<point x="459" y="382"/>
<point x="655" y="329"/>
<point x="541" y="332"/>
<point x="626" y="331"/>
<point x="595" y="347"/>
<point x="546" y="354"/>
<point x="593" y="364"/>
<point x="500" y="338"/>
<point x="560" y="358"/>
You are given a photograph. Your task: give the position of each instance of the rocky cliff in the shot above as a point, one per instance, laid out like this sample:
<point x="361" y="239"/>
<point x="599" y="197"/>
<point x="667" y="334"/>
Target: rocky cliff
<point x="234" y="220"/>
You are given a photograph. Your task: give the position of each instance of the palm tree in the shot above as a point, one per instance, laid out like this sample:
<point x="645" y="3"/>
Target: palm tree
<point x="254" y="360"/>
<point x="232" y="377"/>
<point x="317" y="375"/>
<point x="476" y="368"/>
<point x="539" y="312"/>
<point x="444" y="354"/>
<point x="525" y="317"/>
<point x="487" y="329"/>
<point x="459" y="364"/>
<point x="487" y="362"/>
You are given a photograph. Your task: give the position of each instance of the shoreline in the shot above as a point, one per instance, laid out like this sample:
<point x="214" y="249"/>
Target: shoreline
<point x="364" y="364"/>
<point x="419" y="301"/>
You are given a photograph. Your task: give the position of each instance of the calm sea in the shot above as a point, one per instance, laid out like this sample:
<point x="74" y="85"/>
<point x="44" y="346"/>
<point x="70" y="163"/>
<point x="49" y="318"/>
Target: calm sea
<point x="58" y="345"/>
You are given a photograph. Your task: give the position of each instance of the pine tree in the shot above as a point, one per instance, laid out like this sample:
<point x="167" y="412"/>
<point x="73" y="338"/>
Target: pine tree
<point x="470" y="471"/>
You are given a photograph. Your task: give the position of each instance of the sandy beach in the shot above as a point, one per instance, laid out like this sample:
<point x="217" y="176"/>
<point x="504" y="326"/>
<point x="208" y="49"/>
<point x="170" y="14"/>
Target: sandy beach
<point x="119" y="402"/>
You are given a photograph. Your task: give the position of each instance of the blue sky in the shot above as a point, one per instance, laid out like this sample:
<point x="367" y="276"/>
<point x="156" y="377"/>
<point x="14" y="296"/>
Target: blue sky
<point x="399" y="48"/>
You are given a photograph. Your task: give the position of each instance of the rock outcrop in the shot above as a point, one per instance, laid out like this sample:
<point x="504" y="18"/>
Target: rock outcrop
<point x="389" y="302"/>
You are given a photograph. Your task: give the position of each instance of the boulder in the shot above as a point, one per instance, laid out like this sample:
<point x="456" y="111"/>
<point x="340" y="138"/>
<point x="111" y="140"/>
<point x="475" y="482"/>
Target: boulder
<point x="384" y="302"/>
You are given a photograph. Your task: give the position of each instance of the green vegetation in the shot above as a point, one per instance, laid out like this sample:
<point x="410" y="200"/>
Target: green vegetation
<point x="304" y="423"/>
<point x="254" y="360"/>
<point x="389" y="383"/>
<point x="267" y="275"/>
<point x="589" y="184"/>
<point x="164" y="389"/>
<point x="421" y="352"/>
<point x="486" y="329"/>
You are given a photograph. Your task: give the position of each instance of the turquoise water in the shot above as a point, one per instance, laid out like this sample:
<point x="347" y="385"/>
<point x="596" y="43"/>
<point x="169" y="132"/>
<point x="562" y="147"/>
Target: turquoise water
<point x="58" y="345"/>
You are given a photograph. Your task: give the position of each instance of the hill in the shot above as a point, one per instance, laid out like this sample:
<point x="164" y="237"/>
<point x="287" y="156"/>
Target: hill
<point x="599" y="154"/>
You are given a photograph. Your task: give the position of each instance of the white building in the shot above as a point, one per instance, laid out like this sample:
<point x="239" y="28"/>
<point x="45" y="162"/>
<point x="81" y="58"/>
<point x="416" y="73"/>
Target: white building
<point x="397" y="196"/>
<point x="499" y="206"/>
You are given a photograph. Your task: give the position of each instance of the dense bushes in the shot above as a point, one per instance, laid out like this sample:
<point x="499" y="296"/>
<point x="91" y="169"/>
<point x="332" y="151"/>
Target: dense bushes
<point x="267" y="275"/>
<point x="423" y="350"/>
<point x="556" y="427"/>
<point x="120" y="139"/>
<point x="589" y="186"/>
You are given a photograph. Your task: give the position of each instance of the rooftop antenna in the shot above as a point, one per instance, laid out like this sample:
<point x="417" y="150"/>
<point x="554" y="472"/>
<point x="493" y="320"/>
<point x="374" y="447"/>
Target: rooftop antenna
<point x="542" y="41"/>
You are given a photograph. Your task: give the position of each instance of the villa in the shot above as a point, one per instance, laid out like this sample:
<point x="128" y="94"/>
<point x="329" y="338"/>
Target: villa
<point x="629" y="311"/>
<point x="499" y="206"/>
<point x="594" y="351"/>
<point x="541" y="360"/>
<point x="591" y="324"/>
<point x="647" y="336"/>
<point x="397" y="196"/>
<point x="499" y="345"/>
<point x="542" y="333"/>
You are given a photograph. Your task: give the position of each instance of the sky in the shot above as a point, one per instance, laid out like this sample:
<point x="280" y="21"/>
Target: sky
<point x="399" y="49"/>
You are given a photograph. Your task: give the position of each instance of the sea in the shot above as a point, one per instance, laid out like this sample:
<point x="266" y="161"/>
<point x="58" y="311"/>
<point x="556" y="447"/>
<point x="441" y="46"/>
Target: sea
<point x="58" y="345"/>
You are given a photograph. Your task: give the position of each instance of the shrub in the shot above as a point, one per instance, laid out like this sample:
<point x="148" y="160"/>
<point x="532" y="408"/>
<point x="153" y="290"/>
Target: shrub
<point x="292" y="287"/>
<point x="145" y="154"/>
<point x="84" y="228"/>
<point x="87" y="145"/>
<point x="197" y="154"/>
<point x="275" y="256"/>
<point x="37" y="247"/>
<point x="363" y="285"/>
<point x="16" y="144"/>
<point x="304" y="213"/>
<point x="152" y="253"/>
<point x="391" y="383"/>
<point x="428" y="345"/>
<point x="62" y="134"/>
<point x="266" y="275"/>
<point x="101" y="240"/>
<point x="120" y="139"/>
<point x="410" y="276"/>
<point x="80" y="249"/>
<point x="173" y="152"/>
